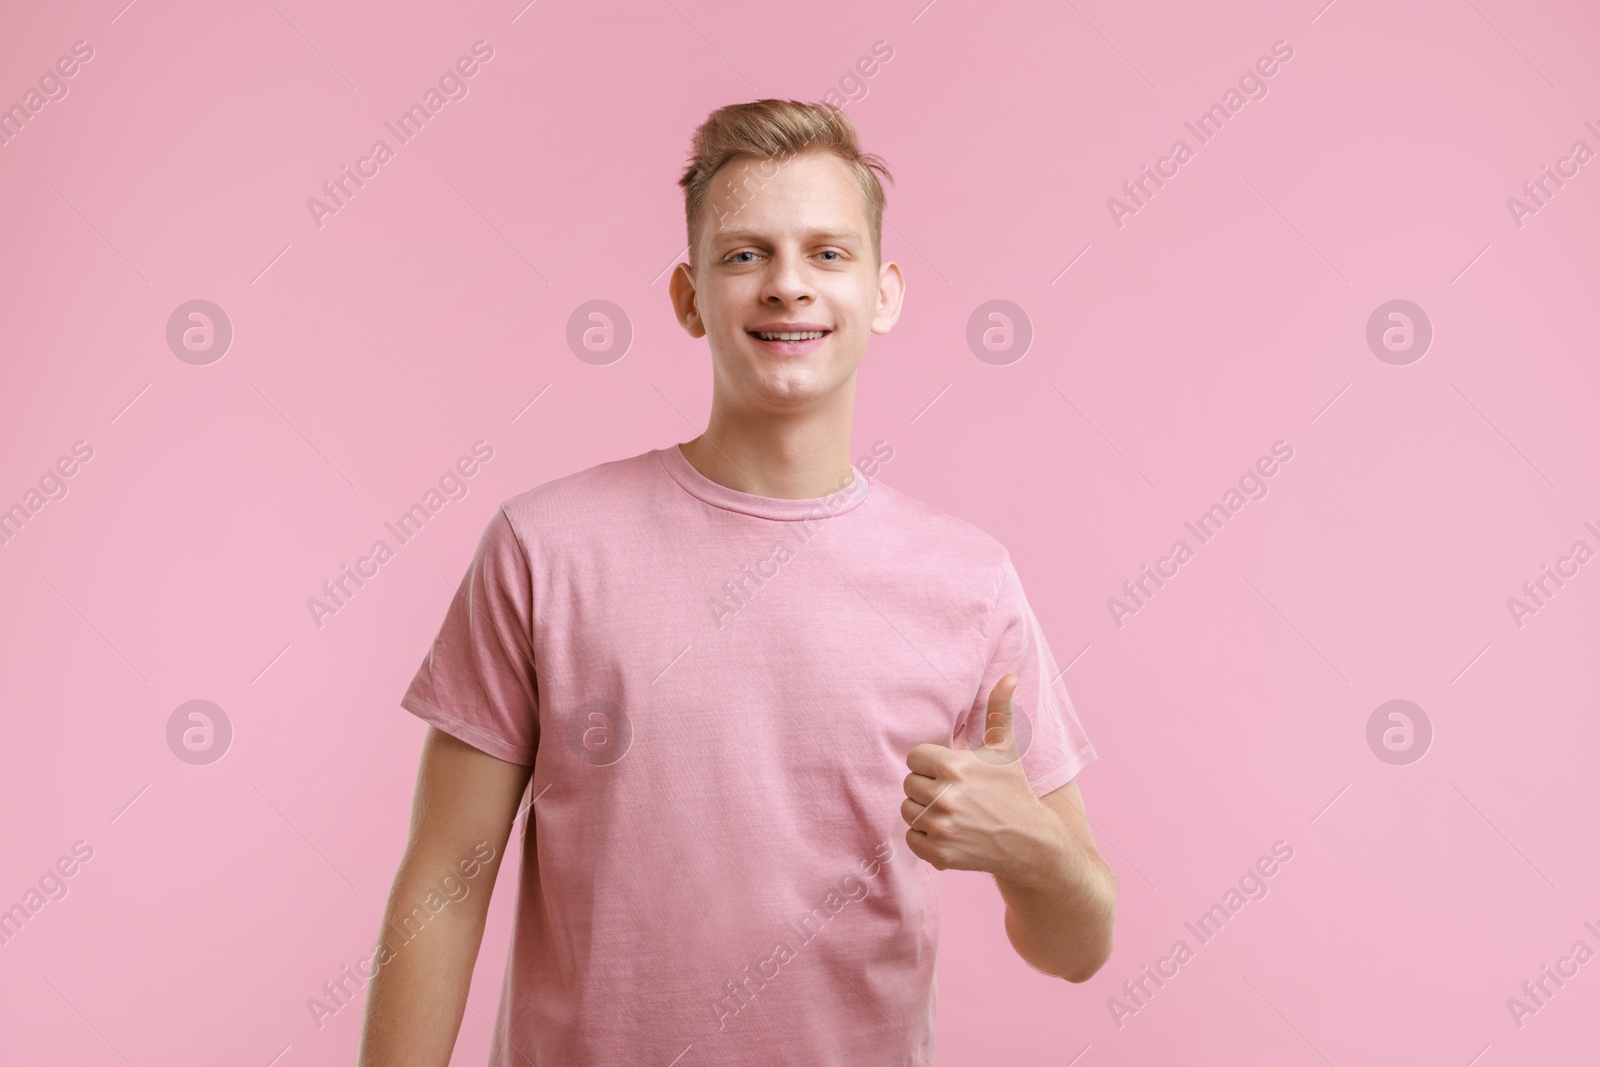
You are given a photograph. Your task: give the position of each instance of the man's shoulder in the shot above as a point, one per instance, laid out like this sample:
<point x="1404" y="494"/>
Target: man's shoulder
<point x="599" y="488"/>
<point x="938" y="533"/>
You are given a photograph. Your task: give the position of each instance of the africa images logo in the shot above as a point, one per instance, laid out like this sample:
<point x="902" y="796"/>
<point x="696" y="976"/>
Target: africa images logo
<point x="452" y="86"/>
<point x="743" y="587"/>
<point x="1252" y="85"/>
<point x="452" y="485"/>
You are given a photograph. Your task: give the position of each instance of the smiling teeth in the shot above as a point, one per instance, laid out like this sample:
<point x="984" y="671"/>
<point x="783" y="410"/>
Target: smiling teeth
<point x="809" y="335"/>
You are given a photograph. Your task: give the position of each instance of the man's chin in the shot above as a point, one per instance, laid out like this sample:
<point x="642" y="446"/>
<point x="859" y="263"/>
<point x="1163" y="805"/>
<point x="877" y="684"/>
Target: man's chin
<point x="788" y="391"/>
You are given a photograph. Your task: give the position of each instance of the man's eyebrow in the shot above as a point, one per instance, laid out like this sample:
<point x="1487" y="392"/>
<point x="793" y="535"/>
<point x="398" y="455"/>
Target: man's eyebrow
<point x="743" y="233"/>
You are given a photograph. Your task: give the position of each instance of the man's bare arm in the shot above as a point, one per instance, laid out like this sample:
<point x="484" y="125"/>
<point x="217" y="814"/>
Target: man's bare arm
<point x="1060" y="919"/>
<point x="464" y="799"/>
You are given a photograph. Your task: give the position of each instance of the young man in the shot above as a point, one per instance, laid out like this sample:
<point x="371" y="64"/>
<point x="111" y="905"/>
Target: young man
<point x="717" y="662"/>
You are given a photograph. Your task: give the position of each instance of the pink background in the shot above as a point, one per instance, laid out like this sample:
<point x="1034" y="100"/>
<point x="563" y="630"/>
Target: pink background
<point x="1227" y="314"/>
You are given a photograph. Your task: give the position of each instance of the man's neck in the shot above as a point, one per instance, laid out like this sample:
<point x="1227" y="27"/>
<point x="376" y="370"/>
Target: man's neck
<point x="803" y="459"/>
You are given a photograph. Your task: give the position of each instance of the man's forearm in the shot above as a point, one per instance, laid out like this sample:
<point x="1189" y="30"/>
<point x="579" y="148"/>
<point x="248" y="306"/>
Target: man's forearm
<point x="1060" y="915"/>
<point x="418" y="993"/>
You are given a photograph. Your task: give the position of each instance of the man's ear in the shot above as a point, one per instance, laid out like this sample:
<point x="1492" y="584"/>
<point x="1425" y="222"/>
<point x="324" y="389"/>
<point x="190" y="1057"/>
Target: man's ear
<point x="891" y="297"/>
<point x="684" y="304"/>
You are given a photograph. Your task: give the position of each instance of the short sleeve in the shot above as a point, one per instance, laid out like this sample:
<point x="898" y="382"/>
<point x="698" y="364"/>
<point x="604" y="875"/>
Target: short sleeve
<point x="1052" y="741"/>
<point x="478" y="683"/>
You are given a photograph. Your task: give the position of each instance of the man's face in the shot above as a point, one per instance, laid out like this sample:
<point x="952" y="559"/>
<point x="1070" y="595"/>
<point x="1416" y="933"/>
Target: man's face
<point x="787" y="248"/>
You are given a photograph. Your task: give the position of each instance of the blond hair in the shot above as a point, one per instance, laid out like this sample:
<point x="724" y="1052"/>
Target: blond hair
<point x="778" y="130"/>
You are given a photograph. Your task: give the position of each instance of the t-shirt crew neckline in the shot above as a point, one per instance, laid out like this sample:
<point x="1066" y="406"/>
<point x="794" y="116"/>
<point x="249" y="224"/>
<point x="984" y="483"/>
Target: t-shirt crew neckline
<point x="766" y="507"/>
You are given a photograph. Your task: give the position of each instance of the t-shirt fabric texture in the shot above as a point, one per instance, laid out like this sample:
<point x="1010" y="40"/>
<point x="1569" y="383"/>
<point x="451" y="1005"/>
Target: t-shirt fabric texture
<point x="717" y="693"/>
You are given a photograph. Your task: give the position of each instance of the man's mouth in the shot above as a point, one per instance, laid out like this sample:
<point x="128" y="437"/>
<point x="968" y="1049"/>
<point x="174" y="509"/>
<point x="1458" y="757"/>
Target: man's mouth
<point x="789" y="335"/>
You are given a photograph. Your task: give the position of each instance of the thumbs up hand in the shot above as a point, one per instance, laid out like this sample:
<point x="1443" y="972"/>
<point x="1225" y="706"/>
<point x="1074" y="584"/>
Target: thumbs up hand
<point x="973" y="809"/>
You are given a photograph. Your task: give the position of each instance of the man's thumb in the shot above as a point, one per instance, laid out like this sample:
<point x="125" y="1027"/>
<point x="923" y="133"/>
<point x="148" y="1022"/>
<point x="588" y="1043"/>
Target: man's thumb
<point x="999" y="733"/>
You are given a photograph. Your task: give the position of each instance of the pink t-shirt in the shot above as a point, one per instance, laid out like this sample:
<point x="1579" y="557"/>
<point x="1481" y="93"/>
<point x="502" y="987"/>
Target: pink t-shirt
<point x="717" y="692"/>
